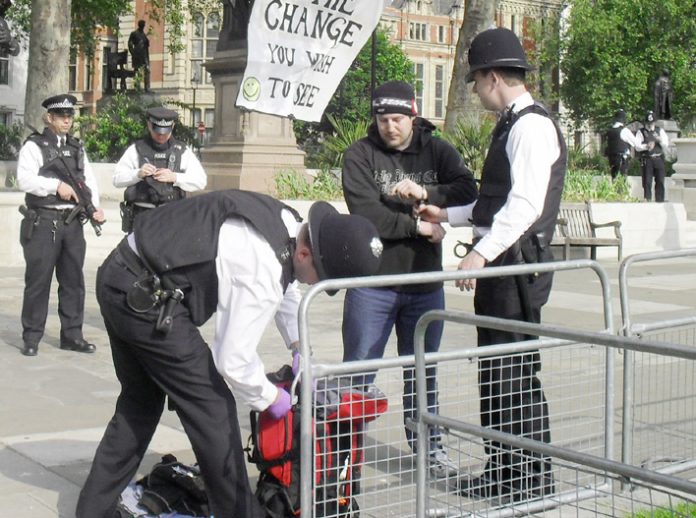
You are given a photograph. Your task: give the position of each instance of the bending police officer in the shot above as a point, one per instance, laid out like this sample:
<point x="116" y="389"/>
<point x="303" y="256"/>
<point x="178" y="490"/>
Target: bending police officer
<point x="52" y="165"/>
<point x="156" y="169"/>
<point x="233" y="253"/>
<point x="620" y="140"/>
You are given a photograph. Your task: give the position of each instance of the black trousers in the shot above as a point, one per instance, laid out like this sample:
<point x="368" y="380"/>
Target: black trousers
<point x="150" y="366"/>
<point x="512" y="399"/>
<point x="53" y="246"/>
<point x="618" y="165"/>
<point x="654" y="169"/>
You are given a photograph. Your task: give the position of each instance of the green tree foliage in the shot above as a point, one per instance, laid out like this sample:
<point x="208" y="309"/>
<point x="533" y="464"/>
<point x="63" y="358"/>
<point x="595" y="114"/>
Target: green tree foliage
<point x="352" y="98"/>
<point x="613" y="50"/>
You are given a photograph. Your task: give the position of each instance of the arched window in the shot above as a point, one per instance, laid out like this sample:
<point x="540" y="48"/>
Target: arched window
<point x="204" y="36"/>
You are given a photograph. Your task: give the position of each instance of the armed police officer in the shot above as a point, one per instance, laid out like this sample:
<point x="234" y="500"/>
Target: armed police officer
<point x="620" y="140"/>
<point x="157" y="169"/>
<point x="61" y="194"/>
<point x="651" y="142"/>
<point x="233" y="253"/>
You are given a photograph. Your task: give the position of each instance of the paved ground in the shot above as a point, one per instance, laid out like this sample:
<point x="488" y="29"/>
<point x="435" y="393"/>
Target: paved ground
<point x="53" y="408"/>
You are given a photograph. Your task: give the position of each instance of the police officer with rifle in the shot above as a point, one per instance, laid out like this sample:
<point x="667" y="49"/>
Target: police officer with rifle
<point x="156" y="169"/>
<point x="61" y="195"/>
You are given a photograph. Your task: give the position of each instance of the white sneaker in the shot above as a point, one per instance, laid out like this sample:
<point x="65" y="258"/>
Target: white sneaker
<point x="441" y="465"/>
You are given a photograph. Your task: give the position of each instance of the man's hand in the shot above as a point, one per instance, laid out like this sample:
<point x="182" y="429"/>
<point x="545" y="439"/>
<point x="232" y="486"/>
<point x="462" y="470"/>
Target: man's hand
<point x="146" y="170"/>
<point x="165" y="176"/>
<point x="98" y="216"/>
<point x="65" y="192"/>
<point x="472" y="261"/>
<point x="409" y="190"/>
<point x="432" y="213"/>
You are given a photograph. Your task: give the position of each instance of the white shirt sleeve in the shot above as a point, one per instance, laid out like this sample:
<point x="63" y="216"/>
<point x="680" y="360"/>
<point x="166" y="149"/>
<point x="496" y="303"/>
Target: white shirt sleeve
<point x="664" y="139"/>
<point x="29" y="162"/>
<point x="460" y="216"/>
<point x="640" y="145"/>
<point x="193" y="177"/>
<point x="532" y="148"/>
<point x="249" y="296"/>
<point x="628" y="137"/>
<point x="126" y="170"/>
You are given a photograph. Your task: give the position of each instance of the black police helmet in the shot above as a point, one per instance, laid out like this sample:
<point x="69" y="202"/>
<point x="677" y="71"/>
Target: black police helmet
<point x="342" y="245"/>
<point x="649" y="116"/>
<point x="620" y="116"/>
<point x="496" y="48"/>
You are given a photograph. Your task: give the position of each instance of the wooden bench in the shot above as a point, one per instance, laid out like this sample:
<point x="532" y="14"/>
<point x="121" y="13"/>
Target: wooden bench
<point x="575" y="227"/>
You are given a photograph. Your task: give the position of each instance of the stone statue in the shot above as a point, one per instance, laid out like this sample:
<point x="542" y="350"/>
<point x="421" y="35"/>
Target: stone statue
<point x="235" y="20"/>
<point x="662" y="97"/>
<point x="139" y="48"/>
<point x="8" y="44"/>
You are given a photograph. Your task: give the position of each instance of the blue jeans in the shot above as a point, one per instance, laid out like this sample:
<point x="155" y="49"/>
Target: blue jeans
<point x="369" y="314"/>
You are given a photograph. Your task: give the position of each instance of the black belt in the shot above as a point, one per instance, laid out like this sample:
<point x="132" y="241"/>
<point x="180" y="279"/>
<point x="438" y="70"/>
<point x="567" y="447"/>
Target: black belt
<point x="51" y="213"/>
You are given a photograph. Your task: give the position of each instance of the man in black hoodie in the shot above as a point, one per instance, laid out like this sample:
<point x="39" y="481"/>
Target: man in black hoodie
<point x="399" y="161"/>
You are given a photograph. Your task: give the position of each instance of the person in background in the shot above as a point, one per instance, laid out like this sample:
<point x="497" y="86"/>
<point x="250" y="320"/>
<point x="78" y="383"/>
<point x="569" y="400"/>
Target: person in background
<point x="156" y="169"/>
<point x="620" y="140"/>
<point x="50" y="165"/>
<point x="651" y="143"/>
<point x="385" y="174"/>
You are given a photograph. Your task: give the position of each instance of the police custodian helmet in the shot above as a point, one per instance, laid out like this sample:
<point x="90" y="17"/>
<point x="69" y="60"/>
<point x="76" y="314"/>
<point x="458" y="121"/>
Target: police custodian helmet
<point x="496" y="48"/>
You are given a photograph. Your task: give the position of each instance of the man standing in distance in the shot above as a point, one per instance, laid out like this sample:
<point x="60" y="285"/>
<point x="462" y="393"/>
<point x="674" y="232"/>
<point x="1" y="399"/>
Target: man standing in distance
<point x="513" y="222"/>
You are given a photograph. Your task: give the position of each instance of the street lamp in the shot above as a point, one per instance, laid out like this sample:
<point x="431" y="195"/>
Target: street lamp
<point x="194" y="84"/>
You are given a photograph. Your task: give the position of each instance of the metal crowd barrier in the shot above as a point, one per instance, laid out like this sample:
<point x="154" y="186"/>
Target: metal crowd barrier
<point x="584" y="481"/>
<point x="659" y="393"/>
<point x="577" y="377"/>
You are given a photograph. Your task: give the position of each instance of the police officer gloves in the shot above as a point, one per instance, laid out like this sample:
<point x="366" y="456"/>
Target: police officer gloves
<point x="281" y="406"/>
<point x="295" y="362"/>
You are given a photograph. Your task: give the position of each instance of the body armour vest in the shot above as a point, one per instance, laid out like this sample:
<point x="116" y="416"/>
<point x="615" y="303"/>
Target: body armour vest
<point x="651" y="136"/>
<point x="178" y="242"/>
<point x="55" y="162"/>
<point x="616" y="146"/>
<point x="149" y="190"/>
<point x="496" y="182"/>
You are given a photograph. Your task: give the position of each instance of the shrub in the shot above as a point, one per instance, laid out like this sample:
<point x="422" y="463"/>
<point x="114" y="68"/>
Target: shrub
<point x="471" y="139"/>
<point x="588" y="184"/>
<point x="293" y="185"/>
<point x="10" y="141"/>
<point x="345" y="133"/>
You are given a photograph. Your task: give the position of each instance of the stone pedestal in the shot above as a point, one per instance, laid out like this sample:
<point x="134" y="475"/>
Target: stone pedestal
<point x="247" y="148"/>
<point x="684" y="176"/>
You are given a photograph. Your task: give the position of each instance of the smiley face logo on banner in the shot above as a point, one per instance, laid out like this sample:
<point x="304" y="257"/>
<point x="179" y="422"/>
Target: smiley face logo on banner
<point x="251" y="89"/>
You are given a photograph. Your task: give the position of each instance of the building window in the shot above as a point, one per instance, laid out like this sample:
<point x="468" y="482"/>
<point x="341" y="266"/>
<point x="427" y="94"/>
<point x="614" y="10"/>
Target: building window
<point x="206" y="31"/>
<point x="417" y="31"/>
<point x="5" y="118"/>
<point x="72" y="70"/>
<point x="88" y="73"/>
<point x="419" y="72"/>
<point x="440" y="33"/>
<point x="513" y="23"/>
<point x="4" y="70"/>
<point x="439" y="91"/>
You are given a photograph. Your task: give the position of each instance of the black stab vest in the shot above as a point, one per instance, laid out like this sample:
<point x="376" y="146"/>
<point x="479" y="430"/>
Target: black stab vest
<point x="651" y="136"/>
<point x="496" y="181"/>
<point x="616" y="146"/>
<point x="150" y="190"/>
<point x="53" y="167"/>
<point x="179" y="241"/>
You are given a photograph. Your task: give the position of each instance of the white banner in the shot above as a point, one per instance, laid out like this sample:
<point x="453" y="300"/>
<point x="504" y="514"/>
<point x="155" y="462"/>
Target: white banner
<point x="299" y="50"/>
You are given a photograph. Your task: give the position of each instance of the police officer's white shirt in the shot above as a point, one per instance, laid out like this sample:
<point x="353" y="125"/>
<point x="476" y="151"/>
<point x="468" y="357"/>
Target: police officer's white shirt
<point x="250" y="295"/>
<point x="29" y="162"/>
<point x="625" y="134"/>
<point x="662" y="138"/>
<point x="193" y="177"/>
<point x="532" y="148"/>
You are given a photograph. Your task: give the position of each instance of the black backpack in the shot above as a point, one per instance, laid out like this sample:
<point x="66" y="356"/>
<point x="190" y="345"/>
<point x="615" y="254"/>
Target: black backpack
<point x="274" y="446"/>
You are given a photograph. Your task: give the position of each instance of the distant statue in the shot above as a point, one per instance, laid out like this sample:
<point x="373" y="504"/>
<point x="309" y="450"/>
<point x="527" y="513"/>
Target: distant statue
<point x="235" y="20"/>
<point x="139" y="47"/>
<point x="662" y="97"/>
<point x="8" y="44"/>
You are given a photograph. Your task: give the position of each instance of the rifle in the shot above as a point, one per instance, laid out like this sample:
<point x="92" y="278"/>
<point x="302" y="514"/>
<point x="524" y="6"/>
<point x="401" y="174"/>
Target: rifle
<point x="85" y="209"/>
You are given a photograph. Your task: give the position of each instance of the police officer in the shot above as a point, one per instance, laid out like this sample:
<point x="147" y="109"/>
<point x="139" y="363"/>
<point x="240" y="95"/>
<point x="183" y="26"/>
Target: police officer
<point x="651" y="142"/>
<point x="620" y="140"/>
<point x="156" y="169"/>
<point x="233" y="253"/>
<point x="513" y="222"/>
<point x="52" y="165"/>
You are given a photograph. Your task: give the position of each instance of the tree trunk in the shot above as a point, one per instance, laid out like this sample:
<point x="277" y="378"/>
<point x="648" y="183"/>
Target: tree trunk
<point x="479" y="15"/>
<point x="49" y="55"/>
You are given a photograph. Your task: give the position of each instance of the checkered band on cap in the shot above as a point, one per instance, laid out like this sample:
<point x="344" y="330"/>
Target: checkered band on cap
<point x="65" y="104"/>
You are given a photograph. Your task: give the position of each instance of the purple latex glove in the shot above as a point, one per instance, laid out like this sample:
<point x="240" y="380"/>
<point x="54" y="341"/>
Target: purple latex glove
<point x="295" y="362"/>
<point x="281" y="406"/>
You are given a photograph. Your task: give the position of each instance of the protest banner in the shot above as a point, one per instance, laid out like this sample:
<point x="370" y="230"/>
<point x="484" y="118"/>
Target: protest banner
<point x="299" y="50"/>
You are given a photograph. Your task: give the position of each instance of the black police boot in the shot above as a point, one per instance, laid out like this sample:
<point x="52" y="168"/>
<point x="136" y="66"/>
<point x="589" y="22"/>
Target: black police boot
<point x="79" y="345"/>
<point x="30" y="349"/>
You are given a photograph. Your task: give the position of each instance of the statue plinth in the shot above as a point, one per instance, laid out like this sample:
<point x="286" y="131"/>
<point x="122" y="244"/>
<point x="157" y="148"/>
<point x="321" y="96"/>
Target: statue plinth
<point x="247" y="148"/>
